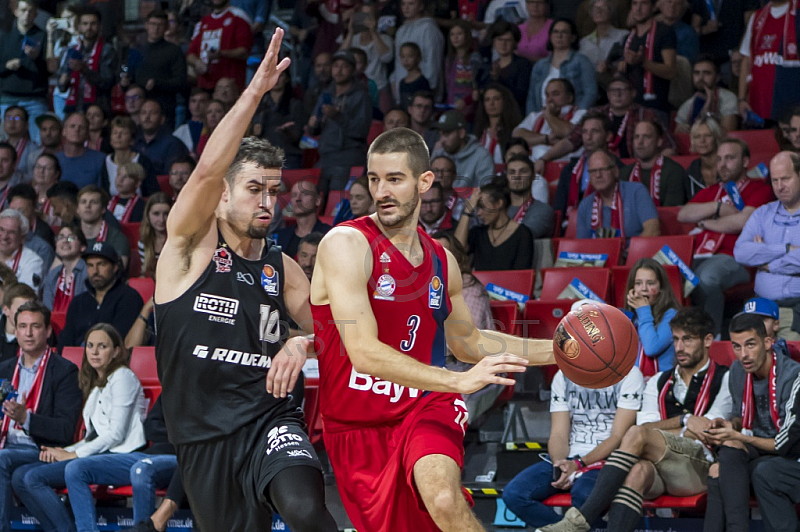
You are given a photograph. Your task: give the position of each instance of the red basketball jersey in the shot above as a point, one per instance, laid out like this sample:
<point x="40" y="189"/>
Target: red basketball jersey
<point x="765" y="53"/>
<point x="410" y="305"/>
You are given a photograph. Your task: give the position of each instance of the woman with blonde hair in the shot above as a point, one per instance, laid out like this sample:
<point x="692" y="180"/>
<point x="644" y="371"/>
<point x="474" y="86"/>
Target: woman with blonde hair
<point x="706" y="135"/>
<point x="153" y="231"/>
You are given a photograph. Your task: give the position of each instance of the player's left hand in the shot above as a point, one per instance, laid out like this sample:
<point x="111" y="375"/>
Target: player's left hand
<point x="287" y="364"/>
<point x="567" y="467"/>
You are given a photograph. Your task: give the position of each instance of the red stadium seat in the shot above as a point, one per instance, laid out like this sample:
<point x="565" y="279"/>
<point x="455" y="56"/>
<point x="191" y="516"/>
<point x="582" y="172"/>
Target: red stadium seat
<point x="290" y="177"/>
<point x="357" y="171"/>
<point x="127" y="491"/>
<point x="519" y="281"/>
<point x="374" y="130"/>
<point x="684" y="160"/>
<point x="73" y="354"/>
<point x="143" y="364"/>
<point x="619" y="279"/>
<point x="759" y="140"/>
<point x="572" y="225"/>
<point x="163" y="184"/>
<point x="610" y="246"/>
<point x="146" y="286"/>
<point x="647" y="246"/>
<point x="552" y="170"/>
<point x="506" y="316"/>
<point x="558" y="219"/>
<point x="131" y="232"/>
<point x="692" y="502"/>
<point x="668" y="217"/>
<point x="683" y="143"/>
<point x="721" y="352"/>
<point x="334" y="197"/>
<point x="554" y="280"/>
<point x="540" y="318"/>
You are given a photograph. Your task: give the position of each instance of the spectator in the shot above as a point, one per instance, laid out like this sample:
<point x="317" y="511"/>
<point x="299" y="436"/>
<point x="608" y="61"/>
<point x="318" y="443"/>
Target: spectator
<point x="529" y="196"/>
<point x="721" y="27"/>
<point x="508" y="68"/>
<point x="153" y="231"/>
<point x="378" y="47"/>
<point x="97" y="138"/>
<point x="92" y="207"/>
<point x="215" y="112"/>
<point x="358" y="203"/>
<point x="189" y="133"/>
<point x="394" y="118"/>
<point x="794" y="130"/>
<point x="323" y="63"/>
<point x="134" y="99"/>
<point x="280" y="118"/>
<point x="764" y="448"/>
<point x="444" y="171"/>
<point x="433" y="216"/>
<point x="420" y="111"/>
<point x="25" y="263"/>
<point x="8" y="176"/>
<point x="563" y="62"/>
<point x="307" y="252"/>
<point x="68" y="277"/>
<point x="107" y="299"/>
<point x="343" y="116"/>
<point x="720" y="219"/>
<point x="79" y="164"/>
<point x="556" y="119"/>
<point x="305" y="200"/>
<point x="413" y="81"/>
<point x="474" y="164"/>
<point x="671" y="15"/>
<point x="770" y="242"/>
<point x="665" y="178"/>
<point x="50" y="129"/>
<point x="179" y="173"/>
<point x="88" y="70"/>
<point x="512" y="11"/>
<point x="709" y="100"/>
<point x="59" y="41"/>
<point x="123" y="135"/>
<point x="361" y="63"/>
<point x="499" y="243"/>
<point x="652" y="305"/>
<point x="615" y="208"/>
<point x="46" y="172"/>
<point x="495" y="119"/>
<point x="40" y="238"/>
<point x="587" y="426"/>
<point x="114" y="410"/>
<point x="770" y="313"/>
<point x="220" y="45"/>
<point x="535" y="31"/>
<point x="226" y="91"/>
<point x="154" y="139"/>
<point x="63" y="198"/>
<point x="420" y="29"/>
<point x="706" y="136"/>
<point x="162" y="71"/>
<point x="597" y="45"/>
<point x="464" y="69"/>
<point x="23" y="69"/>
<point x="52" y="405"/>
<point x="127" y="205"/>
<point x="14" y="296"/>
<point x="516" y="146"/>
<point x="15" y="124"/>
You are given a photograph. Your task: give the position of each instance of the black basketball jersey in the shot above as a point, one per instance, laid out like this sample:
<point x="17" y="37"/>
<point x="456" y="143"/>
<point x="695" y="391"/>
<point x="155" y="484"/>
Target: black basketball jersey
<point x="215" y="343"/>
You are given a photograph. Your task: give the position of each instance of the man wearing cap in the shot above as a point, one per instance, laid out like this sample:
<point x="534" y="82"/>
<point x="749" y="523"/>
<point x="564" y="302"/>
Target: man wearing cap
<point x="107" y="299"/>
<point x="770" y="312"/>
<point x="770" y="241"/>
<point x="342" y="118"/>
<point x="474" y="164"/>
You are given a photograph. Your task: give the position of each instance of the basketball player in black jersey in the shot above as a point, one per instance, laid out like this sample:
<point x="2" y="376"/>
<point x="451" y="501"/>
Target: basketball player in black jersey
<point x="223" y="297"/>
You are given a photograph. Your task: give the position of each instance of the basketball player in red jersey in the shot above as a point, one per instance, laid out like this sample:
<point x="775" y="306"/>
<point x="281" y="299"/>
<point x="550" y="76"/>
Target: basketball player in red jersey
<point x="387" y="303"/>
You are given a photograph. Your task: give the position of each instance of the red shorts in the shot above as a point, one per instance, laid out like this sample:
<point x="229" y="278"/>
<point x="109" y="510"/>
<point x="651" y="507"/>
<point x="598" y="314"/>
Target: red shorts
<point x="374" y="466"/>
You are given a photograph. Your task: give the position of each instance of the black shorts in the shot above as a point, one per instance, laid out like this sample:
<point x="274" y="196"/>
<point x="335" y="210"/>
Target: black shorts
<point x="226" y="480"/>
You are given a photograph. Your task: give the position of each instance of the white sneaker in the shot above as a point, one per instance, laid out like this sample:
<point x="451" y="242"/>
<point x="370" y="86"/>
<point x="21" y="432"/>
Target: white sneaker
<point x="573" y="522"/>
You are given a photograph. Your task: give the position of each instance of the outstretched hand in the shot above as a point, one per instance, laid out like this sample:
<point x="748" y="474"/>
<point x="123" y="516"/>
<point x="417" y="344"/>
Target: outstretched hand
<point x="487" y="372"/>
<point x="269" y="70"/>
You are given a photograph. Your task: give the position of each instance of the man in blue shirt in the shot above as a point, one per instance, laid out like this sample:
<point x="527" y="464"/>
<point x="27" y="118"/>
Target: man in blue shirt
<point x="155" y="141"/>
<point x="79" y="164"/>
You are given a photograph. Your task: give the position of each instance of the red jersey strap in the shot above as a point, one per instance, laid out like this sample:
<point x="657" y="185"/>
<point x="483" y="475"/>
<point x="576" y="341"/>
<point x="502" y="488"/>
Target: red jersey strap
<point x="649" y="50"/>
<point x="617" y="217"/>
<point x="34" y="394"/>
<point x="748" y="403"/>
<point x="655" y="178"/>
<point x="703" y="402"/>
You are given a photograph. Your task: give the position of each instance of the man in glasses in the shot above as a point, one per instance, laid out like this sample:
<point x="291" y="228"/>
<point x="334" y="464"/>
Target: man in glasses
<point x="770" y="241"/>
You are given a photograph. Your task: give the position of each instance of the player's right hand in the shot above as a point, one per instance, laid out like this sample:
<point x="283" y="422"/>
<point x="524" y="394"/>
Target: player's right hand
<point x="487" y="372"/>
<point x="269" y="70"/>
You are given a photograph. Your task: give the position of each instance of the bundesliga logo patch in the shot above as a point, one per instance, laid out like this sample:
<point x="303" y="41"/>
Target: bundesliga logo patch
<point x="269" y="280"/>
<point x="222" y="258"/>
<point x="435" y="291"/>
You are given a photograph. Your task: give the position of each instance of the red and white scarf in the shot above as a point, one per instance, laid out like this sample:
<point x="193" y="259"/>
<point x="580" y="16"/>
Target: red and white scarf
<point x="34" y="394"/>
<point x="647" y="365"/>
<point x="703" y="402"/>
<point x="649" y="50"/>
<point x="617" y="218"/>
<point x="789" y="51"/>
<point x="711" y="241"/>
<point x="92" y="63"/>
<point x="748" y="404"/>
<point x="575" y="183"/>
<point x="65" y="291"/>
<point x="20" y="147"/>
<point x="613" y="146"/>
<point x="655" y="178"/>
<point x="539" y="123"/>
<point x="101" y="236"/>
<point x="17" y="257"/>
<point x="126" y="214"/>
<point x="523" y="209"/>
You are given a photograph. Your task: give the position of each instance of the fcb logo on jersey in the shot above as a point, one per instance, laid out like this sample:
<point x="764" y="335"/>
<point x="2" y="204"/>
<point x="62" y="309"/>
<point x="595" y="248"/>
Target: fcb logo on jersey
<point x="269" y="280"/>
<point x="222" y="258"/>
<point x="385" y="287"/>
<point x="435" y="291"/>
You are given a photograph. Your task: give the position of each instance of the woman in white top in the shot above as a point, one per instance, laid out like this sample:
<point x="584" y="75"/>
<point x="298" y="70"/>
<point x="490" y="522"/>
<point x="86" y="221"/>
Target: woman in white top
<point x="113" y="414"/>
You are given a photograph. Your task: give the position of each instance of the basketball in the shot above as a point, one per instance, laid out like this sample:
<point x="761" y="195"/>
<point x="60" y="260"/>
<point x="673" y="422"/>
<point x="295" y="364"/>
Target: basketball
<point x="595" y="345"/>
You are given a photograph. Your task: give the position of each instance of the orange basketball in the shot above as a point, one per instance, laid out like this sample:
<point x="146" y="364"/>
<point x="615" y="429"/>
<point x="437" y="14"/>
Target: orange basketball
<point x="595" y="346"/>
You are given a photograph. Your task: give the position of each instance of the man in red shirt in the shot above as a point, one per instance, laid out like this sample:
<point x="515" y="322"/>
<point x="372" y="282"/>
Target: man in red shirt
<point x="720" y="212"/>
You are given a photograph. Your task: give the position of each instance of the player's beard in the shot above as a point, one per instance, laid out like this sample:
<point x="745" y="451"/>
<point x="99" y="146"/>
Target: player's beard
<point x="404" y="212"/>
<point x="257" y="233"/>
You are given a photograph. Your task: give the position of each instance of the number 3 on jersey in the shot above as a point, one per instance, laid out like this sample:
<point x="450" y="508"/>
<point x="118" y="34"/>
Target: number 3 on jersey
<point x="413" y="324"/>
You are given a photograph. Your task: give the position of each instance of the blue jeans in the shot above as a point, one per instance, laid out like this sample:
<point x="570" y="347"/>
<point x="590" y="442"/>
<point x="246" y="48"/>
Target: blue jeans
<point x="34" y="485"/>
<point x="12" y="457"/>
<point x="523" y="495"/>
<point x="144" y="472"/>
<point x="35" y="107"/>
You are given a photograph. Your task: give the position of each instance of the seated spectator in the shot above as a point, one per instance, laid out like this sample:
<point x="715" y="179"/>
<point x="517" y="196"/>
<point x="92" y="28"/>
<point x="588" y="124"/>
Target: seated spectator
<point x="153" y="231"/>
<point x="720" y="218"/>
<point x="92" y="207"/>
<point x="280" y="119"/>
<point x="15" y="124"/>
<point x="474" y="163"/>
<point x="97" y="138"/>
<point x="420" y="112"/>
<point x="413" y="81"/>
<point x="68" y="277"/>
<point x="464" y="69"/>
<point x="123" y="136"/>
<point x="8" y="175"/>
<point x="529" y="196"/>
<point x="793" y="129"/>
<point x="63" y="197"/>
<point x="770" y="313"/>
<point x="500" y="243"/>
<point x="770" y="242"/>
<point x="597" y="45"/>
<point x="554" y="121"/>
<point x="652" y="304"/>
<point x="52" y="406"/>
<point x="114" y="410"/>
<point x="307" y="253"/>
<point x="107" y="299"/>
<point x="615" y="208"/>
<point x="709" y="100"/>
<point x="14" y="296"/>
<point x="46" y="172"/>
<point x="26" y="264"/>
<point x="215" y="112"/>
<point x="50" y="133"/>
<point x="665" y="179"/>
<point x="134" y="99"/>
<point x="535" y="31"/>
<point x="509" y="69"/>
<point x="570" y="64"/>
<point x="40" y="238"/>
<point x="671" y="14"/>
<point x="179" y="172"/>
<point x="516" y="146"/>
<point x="706" y="136"/>
<point x="495" y="118"/>
<point x="394" y="118"/>
<point x="189" y="133"/>
<point x="127" y="205"/>
<point x="80" y="164"/>
<point x="358" y="203"/>
<point x="305" y="201"/>
<point x="433" y="216"/>
<point x="154" y="141"/>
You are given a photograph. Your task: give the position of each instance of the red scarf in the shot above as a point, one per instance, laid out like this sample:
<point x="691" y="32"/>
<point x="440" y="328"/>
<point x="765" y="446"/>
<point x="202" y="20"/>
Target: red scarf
<point x="93" y="63"/>
<point x="34" y="394"/>
<point x="613" y="146"/>
<point x="491" y="140"/>
<point x="655" y="178"/>
<point x="65" y="290"/>
<point x="575" y="186"/>
<point x="537" y="126"/>
<point x="710" y="241"/>
<point x="523" y="210"/>
<point x="101" y="237"/>
<point x="126" y="214"/>
<point x="649" y="50"/>
<point x="703" y="402"/>
<point x="617" y="220"/>
<point x="17" y="257"/>
<point x="21" y="145"/>
<point x="789" y="30"/>
<point x="748" y="407"/>
<point x="647" y="365"/>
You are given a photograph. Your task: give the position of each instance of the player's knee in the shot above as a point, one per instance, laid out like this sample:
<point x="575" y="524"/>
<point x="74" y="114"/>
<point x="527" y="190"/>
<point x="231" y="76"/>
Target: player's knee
<point x="764" y="474"/>
<point x="634" y="440"/>
<point x="731" y="444"/>
<point x="75" y="473"/>
<point x="141" y="473"/>
<point x="640" y="476"/>
<point x="302" y="513"/>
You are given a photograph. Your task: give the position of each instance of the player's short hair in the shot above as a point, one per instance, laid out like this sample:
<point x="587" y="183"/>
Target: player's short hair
<point x="257" y="152"/>
<point x="312" y="239"/>
<point x="16" y="291"/>
<point x="744" y="321"/>
<point x="94" y="189"/>
<point x="694" y="321"/>
<point x="402" y="140"/>
<point x="34" y="306"/>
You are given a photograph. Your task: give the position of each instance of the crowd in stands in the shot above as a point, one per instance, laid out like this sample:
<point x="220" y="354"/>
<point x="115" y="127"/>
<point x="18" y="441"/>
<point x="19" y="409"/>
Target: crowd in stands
<point x="579" y="119"/>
